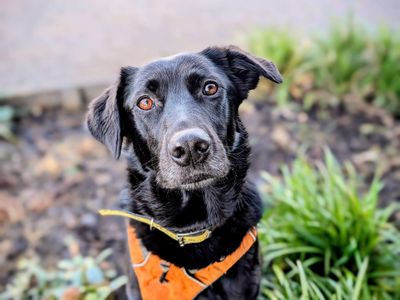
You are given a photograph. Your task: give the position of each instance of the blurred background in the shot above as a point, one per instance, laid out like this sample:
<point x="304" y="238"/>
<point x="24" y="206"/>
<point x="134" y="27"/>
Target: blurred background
<point x="340" y="62"/>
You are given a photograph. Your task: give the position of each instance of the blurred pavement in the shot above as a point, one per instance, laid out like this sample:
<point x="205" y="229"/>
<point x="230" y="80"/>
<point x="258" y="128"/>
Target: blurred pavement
<point x="58" y="44"/>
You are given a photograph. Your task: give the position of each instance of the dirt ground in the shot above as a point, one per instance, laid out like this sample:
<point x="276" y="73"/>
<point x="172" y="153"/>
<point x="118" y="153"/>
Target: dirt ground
<point x="56" y="176"/>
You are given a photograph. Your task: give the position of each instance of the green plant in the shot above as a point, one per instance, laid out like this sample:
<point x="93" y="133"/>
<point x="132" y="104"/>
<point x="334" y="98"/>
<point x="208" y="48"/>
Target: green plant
<point x="346" y="62"/>
<point x="80" y="277"/>
<point x="322" y="239"/>
<point x="278" y="45"/>
<point x="283" y="49"/>
<point x="385" y="78"/>
<point x="340" y="59"/>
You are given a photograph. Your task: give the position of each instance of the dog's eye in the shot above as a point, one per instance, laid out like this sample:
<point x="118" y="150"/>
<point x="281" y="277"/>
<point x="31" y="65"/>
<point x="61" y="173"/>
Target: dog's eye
<point x="146" y="103"/>
<point x="210" y="88"/>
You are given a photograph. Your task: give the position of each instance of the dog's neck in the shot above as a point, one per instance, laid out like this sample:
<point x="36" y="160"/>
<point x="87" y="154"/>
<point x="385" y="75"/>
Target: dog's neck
<point x="230" y="213"/>
<point x="183" y="210"/>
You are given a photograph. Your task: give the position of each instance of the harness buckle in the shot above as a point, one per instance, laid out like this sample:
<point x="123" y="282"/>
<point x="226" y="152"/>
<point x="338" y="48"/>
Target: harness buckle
<point x="165" y="268"/>
<point x="181" y="241"/>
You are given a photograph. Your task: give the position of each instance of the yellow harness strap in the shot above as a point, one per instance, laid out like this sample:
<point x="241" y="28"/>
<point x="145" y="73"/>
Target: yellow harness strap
<point x="182" y="238"/>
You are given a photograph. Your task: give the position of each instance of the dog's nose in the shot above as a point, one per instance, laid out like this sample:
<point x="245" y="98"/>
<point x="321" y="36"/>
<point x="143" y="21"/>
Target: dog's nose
<point x="189" y="146"/>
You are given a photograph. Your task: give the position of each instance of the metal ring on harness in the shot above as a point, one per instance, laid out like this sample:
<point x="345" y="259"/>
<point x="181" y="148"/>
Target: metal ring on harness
<point x="151" y="223"/>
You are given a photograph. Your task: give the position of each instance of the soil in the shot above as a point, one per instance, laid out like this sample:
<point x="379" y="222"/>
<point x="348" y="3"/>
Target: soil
<point x="56" y="176"/>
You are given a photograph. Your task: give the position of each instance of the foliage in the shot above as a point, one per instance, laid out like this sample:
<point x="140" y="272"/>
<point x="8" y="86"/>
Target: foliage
<point x="281" y="47"/>
<point x="386" y="73"/>
<point x="340" y="59"/>
<point x="347" y="61"/>
<point x="322" y="239"/>
<point x="80" y="277"/>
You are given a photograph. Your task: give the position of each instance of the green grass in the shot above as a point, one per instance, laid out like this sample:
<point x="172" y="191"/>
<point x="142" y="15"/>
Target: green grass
<point x="348" y="61"/>
<point x="340" y="59"/>
<point x="322" y="239"/>
<point x="282" y="48"/>
<point x="386" y="74"/>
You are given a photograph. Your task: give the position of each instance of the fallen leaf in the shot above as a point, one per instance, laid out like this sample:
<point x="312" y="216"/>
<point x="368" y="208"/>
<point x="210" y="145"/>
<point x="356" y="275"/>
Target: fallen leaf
<point x="48" y="165"/>
<point x="281" y="136"/>
<point x="72" y="293"/>
<point x="370" y="155"/>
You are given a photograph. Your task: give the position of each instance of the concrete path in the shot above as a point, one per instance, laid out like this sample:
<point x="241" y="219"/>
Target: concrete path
<point x="54" y="44"/>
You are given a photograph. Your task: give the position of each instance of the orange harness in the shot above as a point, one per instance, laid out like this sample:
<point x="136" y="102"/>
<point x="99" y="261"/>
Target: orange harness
<point x="161" y="280"/>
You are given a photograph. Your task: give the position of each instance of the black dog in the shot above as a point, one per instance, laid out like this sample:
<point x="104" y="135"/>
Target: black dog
<point x="176" y="120"/>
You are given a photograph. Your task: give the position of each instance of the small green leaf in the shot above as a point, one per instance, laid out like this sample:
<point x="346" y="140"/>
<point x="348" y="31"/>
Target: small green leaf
<point x="94" y="275"/>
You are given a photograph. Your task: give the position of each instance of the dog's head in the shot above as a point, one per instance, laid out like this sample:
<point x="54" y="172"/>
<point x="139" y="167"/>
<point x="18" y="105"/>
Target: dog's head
<point x="180" y="113"/>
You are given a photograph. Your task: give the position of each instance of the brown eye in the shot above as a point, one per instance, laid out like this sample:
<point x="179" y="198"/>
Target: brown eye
<point x="146" y="103"/>
<point x="210" y="88"/>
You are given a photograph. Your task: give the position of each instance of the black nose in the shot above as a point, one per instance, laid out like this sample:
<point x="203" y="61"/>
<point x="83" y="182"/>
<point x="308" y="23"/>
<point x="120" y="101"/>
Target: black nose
<point x="189" y="146"/>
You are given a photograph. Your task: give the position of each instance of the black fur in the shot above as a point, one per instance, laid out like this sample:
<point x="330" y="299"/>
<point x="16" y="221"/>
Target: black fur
<point x="158" y="188"/>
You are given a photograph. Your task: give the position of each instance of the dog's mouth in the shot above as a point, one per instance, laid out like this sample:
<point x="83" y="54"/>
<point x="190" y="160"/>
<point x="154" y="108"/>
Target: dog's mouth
<point x="198" y="182"/>
<point x="190" y="181"/>
<point x="197" y="178"/>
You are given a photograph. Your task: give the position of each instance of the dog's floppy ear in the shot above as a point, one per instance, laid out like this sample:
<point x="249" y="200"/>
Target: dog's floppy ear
<point x="105" y="116"/>
<point x="243" y="68"/>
